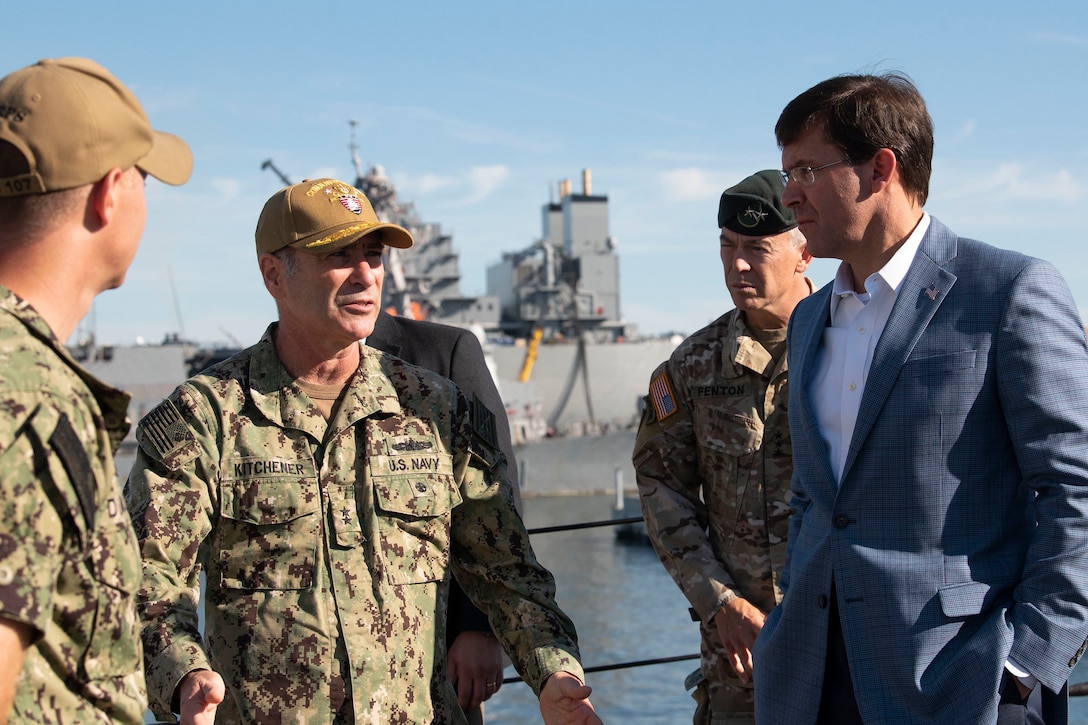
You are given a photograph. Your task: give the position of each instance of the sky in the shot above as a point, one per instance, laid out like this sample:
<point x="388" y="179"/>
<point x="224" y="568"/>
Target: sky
<point x="477" y="110"/>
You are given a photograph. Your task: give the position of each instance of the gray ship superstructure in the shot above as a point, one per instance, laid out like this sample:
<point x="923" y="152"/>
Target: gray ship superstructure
<point x="424" y="281"/>
<point x="566" y="364"/>
<point x="567" y="283"/>
<point x="564" y="284"/>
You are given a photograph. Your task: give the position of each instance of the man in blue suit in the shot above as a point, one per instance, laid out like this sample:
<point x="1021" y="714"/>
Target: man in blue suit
<point x="939" y="414"/>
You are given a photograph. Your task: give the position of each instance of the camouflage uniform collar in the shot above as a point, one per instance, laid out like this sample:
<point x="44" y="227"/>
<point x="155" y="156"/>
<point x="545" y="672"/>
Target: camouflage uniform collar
<point x="371" y="391"/>
<point x="747" y="351"/>
<point x="112" y="401"/>
<point x="25" y="313"/>
<point x="275" y="394"/>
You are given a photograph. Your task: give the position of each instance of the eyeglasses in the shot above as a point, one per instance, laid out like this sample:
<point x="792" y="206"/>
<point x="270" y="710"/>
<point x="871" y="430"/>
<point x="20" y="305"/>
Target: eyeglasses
<point x="806" y="175"/>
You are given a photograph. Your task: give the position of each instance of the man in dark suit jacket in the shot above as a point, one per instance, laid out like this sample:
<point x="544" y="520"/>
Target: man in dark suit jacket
<point x="475" y="657"/>
<point x="939" y="415"/>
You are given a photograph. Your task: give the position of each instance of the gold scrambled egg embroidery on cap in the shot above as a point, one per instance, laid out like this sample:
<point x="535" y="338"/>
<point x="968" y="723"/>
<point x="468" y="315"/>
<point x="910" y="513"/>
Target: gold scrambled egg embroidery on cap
<point x="361" y="226"/>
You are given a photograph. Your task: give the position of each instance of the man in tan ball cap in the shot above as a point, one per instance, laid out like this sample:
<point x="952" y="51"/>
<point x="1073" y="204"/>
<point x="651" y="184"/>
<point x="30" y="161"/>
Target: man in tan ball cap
<point x="75" y="148"/>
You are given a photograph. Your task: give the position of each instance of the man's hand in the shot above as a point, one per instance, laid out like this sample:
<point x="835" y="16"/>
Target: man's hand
<point x="475" y="666"/>
<point x="14" y="641"/>
<point x="565" y="701"/>
<point x="199" y="694"/>
<point x="738" y="624"/>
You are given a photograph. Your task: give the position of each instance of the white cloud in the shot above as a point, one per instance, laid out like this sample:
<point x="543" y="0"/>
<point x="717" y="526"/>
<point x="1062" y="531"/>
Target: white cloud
<point x="1013" y="182"/>
<point x="967" y="130"/>
<point x="228" y="189"/>
<point x="1032" y="208"/>
<point x="693" y="184"/>
<point x="429" y="183"/>
<point x="1069" y="39"/>
<point x="483" y="181"/>
<point x="476" y="185"/>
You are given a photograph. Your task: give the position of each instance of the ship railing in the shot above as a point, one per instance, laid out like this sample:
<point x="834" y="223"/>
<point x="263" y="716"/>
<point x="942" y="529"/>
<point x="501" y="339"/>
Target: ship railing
<point x="1079" y="689"/>
<point x="622" y="521"/>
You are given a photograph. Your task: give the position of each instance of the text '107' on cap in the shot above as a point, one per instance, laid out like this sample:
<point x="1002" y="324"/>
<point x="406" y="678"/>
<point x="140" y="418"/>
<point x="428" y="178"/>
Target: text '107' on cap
<point x="72" y="121"/>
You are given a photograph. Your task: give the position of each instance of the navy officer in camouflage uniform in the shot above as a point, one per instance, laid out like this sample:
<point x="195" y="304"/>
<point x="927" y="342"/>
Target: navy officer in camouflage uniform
<point x="75" y="146"/>
<point x="713" y="458"/>
<point x="328" y="490"/>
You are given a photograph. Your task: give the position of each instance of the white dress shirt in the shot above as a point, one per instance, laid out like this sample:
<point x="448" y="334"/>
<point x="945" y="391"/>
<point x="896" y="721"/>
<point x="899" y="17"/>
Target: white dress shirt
<point x="857" y="320"/>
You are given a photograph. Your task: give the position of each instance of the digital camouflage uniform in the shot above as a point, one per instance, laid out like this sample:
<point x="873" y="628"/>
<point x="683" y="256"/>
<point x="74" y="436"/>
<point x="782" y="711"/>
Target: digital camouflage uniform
<point x="713" y="474"/>
<point x="328" y="548"/>
<point x="69" y="564"/>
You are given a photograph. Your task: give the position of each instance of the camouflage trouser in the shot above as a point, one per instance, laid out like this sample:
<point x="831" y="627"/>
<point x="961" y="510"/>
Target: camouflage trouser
<point x="718" y="708"/>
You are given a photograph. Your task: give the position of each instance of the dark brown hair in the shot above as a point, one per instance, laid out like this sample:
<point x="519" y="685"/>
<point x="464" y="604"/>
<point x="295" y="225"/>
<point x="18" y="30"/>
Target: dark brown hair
<point x="862" y="114"/>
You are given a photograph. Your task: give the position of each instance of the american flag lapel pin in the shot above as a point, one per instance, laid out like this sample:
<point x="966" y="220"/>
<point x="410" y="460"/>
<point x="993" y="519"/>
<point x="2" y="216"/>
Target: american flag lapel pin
<point x="932" y="291"/>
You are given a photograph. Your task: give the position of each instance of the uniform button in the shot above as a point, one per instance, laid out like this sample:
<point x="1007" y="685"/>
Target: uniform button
<point x="421" y="487"/>
<point x="841" y="522"/>
<point x="821" y="601"/>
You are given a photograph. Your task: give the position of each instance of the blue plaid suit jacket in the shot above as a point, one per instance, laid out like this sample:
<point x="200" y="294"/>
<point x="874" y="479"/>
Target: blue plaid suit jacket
<point x="958" y="536"/>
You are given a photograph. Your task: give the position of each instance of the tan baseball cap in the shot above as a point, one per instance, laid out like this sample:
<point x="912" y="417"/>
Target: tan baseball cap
<point x="73" y="122"/>
<point x="322" y="215"/>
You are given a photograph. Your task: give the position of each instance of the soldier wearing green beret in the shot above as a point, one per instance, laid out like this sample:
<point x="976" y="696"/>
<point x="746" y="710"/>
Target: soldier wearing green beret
<point x="75" y="147"/>
<point x="328" y="491"/>
<point x="713" y="457"/>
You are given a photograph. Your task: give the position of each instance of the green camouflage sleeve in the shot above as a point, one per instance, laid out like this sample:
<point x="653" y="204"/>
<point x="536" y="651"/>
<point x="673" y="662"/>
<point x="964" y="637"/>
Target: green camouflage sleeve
<point x="666" y="465"/>
<point x="494" y="561"/>
<point x="31" y="525"/>
<point x="171" y="472"/>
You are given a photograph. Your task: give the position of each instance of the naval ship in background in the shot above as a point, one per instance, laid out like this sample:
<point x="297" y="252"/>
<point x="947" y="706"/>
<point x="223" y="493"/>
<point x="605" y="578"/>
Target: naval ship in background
<point x="570" y="370"/>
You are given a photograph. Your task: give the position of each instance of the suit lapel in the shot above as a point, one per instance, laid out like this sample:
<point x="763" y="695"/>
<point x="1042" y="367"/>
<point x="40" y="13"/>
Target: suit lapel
<point x="811" y="322"/>
<point x="923" y="291"/>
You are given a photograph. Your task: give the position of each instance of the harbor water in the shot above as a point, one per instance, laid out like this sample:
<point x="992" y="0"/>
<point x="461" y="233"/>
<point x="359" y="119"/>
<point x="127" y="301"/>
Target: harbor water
<point x="626" y="608"/>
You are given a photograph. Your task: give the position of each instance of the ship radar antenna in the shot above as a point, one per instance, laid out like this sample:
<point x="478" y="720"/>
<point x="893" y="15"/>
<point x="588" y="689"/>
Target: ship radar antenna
<point x="283" y="177"/>
<point x="359" y="173"/>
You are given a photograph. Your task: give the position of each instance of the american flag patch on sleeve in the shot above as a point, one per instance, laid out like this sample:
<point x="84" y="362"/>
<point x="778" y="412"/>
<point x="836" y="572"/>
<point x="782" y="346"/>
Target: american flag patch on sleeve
<point x="661" y="396"/>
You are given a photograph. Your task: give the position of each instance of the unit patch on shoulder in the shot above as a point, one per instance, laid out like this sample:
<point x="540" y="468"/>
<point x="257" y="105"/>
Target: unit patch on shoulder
<point x="483" y="423"/>
<point x="661" y="396"/>
<point x="163" y="430"/>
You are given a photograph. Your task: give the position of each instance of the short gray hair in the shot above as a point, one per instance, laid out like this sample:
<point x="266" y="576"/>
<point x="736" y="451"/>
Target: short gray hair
<point x="287" y="258"/>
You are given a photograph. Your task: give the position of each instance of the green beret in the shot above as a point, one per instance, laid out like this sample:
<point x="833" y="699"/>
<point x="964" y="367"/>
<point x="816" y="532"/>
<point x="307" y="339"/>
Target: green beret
<point x="754" y="206"/>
